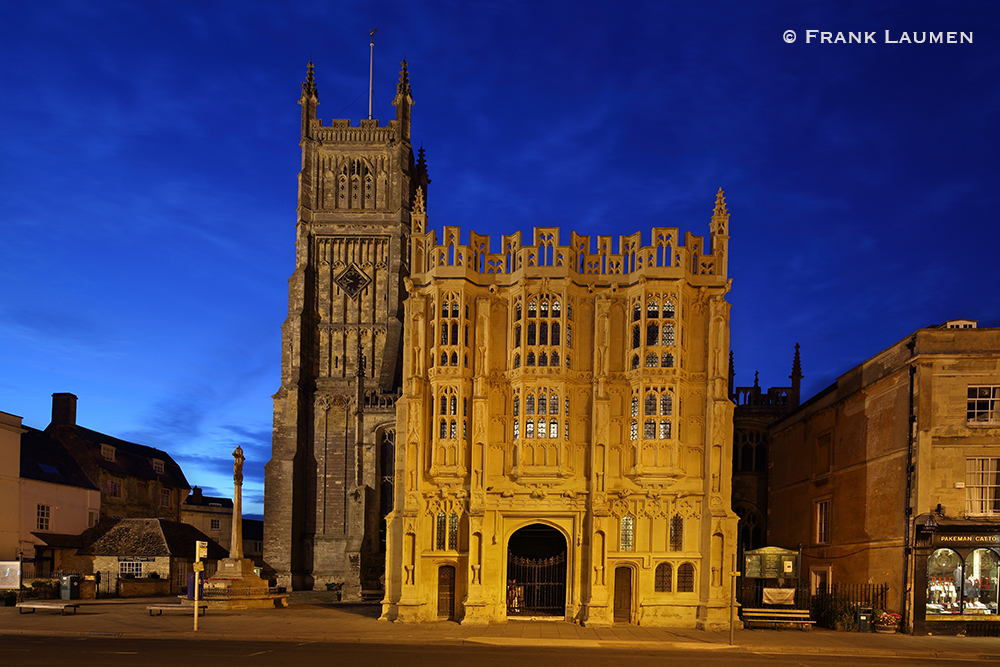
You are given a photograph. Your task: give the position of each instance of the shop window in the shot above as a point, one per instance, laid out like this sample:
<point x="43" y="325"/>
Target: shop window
<point x="944" y="582"/>
<point x="664" y="575"/>
<point x="982" y="486"/>
<point x="130" y="568"/>
<point x="979" y="582"/>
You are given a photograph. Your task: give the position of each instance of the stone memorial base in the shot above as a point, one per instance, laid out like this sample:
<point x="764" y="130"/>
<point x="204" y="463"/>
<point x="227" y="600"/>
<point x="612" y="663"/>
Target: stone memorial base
<point x="235" y="585"/>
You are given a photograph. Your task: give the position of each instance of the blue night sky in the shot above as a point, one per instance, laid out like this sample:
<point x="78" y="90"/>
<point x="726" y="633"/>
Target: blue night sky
<point x="149" y="153"/>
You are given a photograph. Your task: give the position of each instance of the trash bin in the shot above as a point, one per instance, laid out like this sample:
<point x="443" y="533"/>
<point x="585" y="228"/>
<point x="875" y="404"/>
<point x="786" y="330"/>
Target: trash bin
<point x="865" y="619"/>
<point x="190" y="588"/>
<point x="69" y="587"/>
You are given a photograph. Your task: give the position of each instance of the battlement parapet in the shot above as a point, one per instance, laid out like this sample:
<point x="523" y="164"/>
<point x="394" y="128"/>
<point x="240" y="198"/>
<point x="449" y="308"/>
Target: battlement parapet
<point x="341" y="131"/>
<point x="666" y="256"/>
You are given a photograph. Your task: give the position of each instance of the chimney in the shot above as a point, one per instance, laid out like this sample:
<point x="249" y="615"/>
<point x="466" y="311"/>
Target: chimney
<point x="63" y="410"/>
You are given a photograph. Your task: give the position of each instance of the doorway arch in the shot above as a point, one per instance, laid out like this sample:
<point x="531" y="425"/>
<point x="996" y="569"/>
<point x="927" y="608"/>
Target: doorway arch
<point x="536" y="572"/>
<point x="623" y="594"/>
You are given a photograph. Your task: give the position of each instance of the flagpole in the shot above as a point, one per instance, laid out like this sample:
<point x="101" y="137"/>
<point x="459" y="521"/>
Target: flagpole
<point x="371" y="61"/>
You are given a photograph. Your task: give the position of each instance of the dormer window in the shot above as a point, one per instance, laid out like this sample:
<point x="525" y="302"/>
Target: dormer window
<point x="157" y="466"/>
<point x="108" y="452"/>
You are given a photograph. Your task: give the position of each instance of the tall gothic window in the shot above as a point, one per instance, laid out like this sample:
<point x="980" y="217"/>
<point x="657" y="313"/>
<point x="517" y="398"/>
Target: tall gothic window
<point x="628" y="533"/>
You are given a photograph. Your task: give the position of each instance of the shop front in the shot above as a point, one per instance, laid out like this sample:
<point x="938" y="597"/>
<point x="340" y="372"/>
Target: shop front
<point x="956" y="572"/>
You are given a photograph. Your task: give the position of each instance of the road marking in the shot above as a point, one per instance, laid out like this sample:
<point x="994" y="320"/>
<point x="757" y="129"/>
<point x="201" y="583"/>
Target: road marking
<point x="257" y="653"/>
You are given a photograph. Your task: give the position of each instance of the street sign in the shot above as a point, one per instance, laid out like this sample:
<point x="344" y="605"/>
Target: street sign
<point x="200" y="550"/>
<point x="198" y="567"/>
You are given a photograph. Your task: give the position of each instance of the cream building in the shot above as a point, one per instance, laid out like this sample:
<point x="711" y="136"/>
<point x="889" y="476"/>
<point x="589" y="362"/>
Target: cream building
<point x="10" y="504"/>
<point x="545" y="430"/>
<point x="565" y="430"/>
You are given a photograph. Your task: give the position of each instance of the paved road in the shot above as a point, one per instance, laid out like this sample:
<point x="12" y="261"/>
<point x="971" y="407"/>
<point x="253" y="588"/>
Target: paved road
<point x="109" y="652"/>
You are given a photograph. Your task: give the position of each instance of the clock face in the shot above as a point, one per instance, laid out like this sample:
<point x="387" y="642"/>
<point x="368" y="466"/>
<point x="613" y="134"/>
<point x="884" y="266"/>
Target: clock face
<point x="352" y="281"/>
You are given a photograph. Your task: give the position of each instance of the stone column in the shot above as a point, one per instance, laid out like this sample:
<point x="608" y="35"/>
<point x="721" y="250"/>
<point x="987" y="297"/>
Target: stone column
<point x="236" y="547"/>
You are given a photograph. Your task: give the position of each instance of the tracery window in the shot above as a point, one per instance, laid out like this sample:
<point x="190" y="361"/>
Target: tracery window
<point x="652" y="361"/>
<point x="532" y="309"/>
<point x="553" y="429"/>
<point x="531" y="359"/>
<point x="649" y="429"/>
<point x="677" y="533"/>
<point x="668" y="334"/>
<point x="628" y="533"/>
<point x="543" y="359"/>
<point x="555" y="333"/>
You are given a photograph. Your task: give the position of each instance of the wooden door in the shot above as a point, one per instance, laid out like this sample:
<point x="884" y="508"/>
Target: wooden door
<point x="446" y="592"/>
<point x="623" y="594"/>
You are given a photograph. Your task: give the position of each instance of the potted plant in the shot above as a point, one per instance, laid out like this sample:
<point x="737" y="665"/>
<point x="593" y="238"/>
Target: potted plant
<point x="886" y="622"/>
<point x="336" y="587"/>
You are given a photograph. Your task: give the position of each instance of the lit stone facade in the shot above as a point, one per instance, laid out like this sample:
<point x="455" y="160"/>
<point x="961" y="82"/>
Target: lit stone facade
<point x="569" y="410"/>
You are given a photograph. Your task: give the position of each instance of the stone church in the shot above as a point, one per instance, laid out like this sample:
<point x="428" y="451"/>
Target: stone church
<point x="539" y="429"/>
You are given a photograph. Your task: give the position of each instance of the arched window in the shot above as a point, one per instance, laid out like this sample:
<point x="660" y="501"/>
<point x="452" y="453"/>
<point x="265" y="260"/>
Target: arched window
<point x="668" y="360"/>
<point x="532" y="309"/>
<point x="627" y="533"/>
<point x="531" y="333"/>
<point x="555" y="333"/>
<point x="454" y="359"/>
<point x="664" y="429"/>
<point x="636" y="313"/>
<point x="444" y="428"/>
<point x="652" y="333"/>
<point x="635" y="406"/>
<point x="567" y="407"/>
<point x="554" y="404"/>
<point x="517" y="312"/>
<point x="653" y="309"/>
<point x="454" y="333"/>
<point x="685" y="578"/>
<point x="542" y="404"/>
<point x="529" y="404"/>
<point x="668" y="309"/>
<point x="444" y="333"/>
<point x="636" y="338"/>
<point x="466" y="312"/>
<point x="553" y="428"/>
<point x="677" y="533"/>
<point x="453" y="431"/>
<point x="555" y="359"/>
<point x="517" y="406"/>
<point x="650" y="404"/>
<point x="444" y="309"/>
<point x="566" y="429"/>
<point x="444" y="405"/>
<point x="529" y="428"/>
<point x="666" y="404"/>
<point x="649" y="429"/>
<point x="517" y="336"/>
<point x="545" y="309"/>
<point x="454" y="405"/>
<point x="569" y="336"/>
<point x="652" y="360"/>
<point x="517" y="361"/>
<point x="635" y="361"/>
<point x="556" y="309"/>
<point x="543" y="333"/>
<point x="634" y="430"/>
<point x="568" y="364"/>
<point x="466" y="334"/>
<point x="543" y="359"/>
<point x="541" y="427"/>
<point x="454" y="309"/>
<point x="517" y="429"/>
<point x="664" y="578"/>
<point x="531" y="359"/>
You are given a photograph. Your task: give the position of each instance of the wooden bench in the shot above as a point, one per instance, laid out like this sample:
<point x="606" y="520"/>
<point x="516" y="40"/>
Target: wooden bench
<point x="48" y="604"/>
<point x="798" y="617"/>
<point x="187" y="608"/>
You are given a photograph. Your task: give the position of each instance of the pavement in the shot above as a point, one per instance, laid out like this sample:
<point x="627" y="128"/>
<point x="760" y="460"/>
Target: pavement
<point x="316" y="617"/>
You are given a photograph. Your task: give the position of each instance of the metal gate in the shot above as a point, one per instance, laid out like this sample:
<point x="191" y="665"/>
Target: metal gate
<point x="536" y="586"/>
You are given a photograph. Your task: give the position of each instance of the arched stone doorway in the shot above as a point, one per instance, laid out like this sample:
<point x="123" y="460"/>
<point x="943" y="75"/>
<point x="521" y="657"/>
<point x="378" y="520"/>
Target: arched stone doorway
<point x="623" y="594"/>
<point x="536" y="572"/>
<point x="446" y="592"/>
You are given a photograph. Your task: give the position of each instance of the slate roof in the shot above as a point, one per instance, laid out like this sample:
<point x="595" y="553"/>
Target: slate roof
<point x="44" y="459"/>
<point x="146" y="537"/>
<point x="197" y="499"/>
<point x="137" y="459"/>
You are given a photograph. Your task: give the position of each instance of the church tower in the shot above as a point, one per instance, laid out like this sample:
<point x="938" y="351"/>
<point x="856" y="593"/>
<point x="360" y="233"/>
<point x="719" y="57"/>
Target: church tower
<point x="328" y="485"/>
